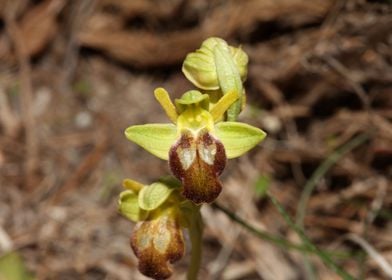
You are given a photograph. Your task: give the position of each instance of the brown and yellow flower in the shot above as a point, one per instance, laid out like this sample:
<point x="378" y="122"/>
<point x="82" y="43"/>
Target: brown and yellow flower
<point x="198" y="143"/>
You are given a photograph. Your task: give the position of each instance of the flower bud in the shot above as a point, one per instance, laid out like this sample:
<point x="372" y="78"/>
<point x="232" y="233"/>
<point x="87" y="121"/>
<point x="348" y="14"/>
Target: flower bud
<point x="241" y="60"/>
<point x="199" y="67"/>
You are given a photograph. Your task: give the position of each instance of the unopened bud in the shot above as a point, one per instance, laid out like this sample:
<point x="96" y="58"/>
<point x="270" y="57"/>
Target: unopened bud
<point x="199" y="67"/>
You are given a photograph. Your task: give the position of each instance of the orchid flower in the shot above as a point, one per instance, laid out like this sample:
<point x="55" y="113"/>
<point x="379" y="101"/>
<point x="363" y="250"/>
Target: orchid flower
<point x="158" y="237"/>
<point x="202" y="135"/>
<point x="196" y="143"/>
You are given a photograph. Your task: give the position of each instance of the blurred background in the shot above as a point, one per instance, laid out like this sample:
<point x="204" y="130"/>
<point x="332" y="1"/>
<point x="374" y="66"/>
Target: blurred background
<point x="75" y="74"/>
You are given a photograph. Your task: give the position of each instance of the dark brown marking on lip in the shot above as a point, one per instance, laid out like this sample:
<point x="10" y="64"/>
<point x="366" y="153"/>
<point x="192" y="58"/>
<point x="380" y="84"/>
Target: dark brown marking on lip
<point x="200" y="179"/>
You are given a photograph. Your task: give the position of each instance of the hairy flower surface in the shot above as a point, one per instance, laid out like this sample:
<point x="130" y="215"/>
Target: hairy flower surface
<point x="157" y="242"/>
<point x="197" y="143"/>
<point x="158" y="237"/>
<point x="197" y="161"/>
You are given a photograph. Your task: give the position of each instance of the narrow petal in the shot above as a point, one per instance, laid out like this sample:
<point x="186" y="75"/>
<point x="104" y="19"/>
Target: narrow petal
<point x="156" y="243"/>
<point x="132" y="185"/>
<point x="222" y="105"/>
<point x="163" y="98"/>
<point x="197" y="162"/>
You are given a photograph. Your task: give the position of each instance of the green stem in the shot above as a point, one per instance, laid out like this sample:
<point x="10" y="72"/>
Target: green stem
<point x="308" y="243"/>
<point x="320" y="172"/>
<point x="278" y="241"/>
<point x="310" y="185"/>
<point x="195" y="233"/>
<point x="281" y="242"/>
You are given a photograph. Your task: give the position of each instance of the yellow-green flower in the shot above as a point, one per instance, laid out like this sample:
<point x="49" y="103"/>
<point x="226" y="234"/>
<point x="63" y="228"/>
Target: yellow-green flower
<point x="158" y="237"/>
<point x="197" y="144"/>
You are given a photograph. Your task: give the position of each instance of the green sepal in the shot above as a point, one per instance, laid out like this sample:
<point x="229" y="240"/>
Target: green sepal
<point x="238" y="138"/>
<point x="200" y="67"/>
<point x="192" y="97"/>
<point x="241" y="60"/>
<point x="152" y="196"/>
<point x="155" y="138"/>
<point x="229" y="78"/>
<point x="128" y="206"/>
<point x="132" y="185"/>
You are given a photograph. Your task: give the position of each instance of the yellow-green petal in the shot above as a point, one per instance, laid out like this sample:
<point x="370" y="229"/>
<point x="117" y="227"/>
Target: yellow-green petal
<point x="132" y="185"/>
<point x="218" y="110"/>
<point x="238" y="138"/>
<point x="199" y="66"/>
<point x="229" y="78"/>
<point x="152" y="196"/>
<point x="128" y="206"/>
<point x="241" y="60"/>
<point x="162" y="96"/>
<point x="155" y="138"/>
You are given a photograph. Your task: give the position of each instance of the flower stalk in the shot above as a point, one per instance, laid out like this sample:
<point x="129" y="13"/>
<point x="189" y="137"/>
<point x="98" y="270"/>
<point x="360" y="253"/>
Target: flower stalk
<point x="195" y="234"/>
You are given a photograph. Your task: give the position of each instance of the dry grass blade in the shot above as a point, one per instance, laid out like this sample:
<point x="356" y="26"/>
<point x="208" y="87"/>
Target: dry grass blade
<point x="376" y="256"/>
<point x="22" y="53"/>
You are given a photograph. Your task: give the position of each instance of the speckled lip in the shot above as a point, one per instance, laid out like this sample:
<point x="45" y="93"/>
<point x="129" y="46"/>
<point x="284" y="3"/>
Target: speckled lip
<point x="198" y="161"/>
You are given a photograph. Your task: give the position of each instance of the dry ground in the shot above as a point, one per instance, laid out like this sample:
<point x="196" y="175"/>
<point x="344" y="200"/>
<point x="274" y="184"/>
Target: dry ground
<point x="75" y="74"/>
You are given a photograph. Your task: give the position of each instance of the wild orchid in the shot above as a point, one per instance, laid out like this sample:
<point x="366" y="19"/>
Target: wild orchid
<point x="202" y="135"/>
<point x="158" y="238"/>
<point x="161" y="214"/>
<point x="197" y="144"/>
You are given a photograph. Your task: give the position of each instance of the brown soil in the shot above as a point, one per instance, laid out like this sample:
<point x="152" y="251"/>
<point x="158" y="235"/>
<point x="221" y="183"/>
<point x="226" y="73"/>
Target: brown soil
<point x="75" y="74"/>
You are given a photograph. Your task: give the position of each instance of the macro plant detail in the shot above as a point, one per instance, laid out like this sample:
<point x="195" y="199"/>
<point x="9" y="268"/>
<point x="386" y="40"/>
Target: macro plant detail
<point x="216" y="66"/>
<point x="158" y="238"/>
<point x="202" y="135"/>
<point x="197" y="144"/>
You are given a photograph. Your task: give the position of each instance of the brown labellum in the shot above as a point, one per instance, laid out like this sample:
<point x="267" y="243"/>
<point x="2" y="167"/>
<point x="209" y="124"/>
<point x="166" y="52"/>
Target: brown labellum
<point x="157" y="242"/>
<point x="197" y="162"/>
